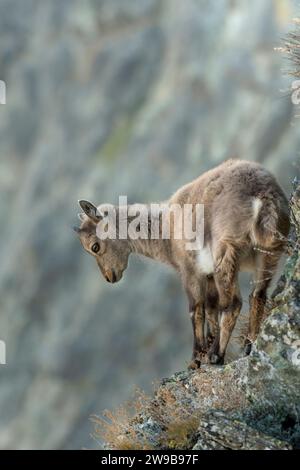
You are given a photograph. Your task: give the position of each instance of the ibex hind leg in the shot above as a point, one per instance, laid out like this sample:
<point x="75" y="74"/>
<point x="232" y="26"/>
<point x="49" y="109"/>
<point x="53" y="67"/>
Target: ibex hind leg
<point x="230" y="302"/>
<point x="212" y="312"/>
<point x="205" y="310"/>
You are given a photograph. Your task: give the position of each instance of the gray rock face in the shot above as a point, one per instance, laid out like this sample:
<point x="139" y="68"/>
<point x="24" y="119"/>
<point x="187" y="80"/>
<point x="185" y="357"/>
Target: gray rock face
<point x="218" y="432"/>
<point x="109" y="97"/>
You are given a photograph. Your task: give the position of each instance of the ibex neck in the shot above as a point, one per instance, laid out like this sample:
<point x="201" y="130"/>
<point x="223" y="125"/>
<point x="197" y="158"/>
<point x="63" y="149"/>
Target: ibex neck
<point x="159" y="250"/>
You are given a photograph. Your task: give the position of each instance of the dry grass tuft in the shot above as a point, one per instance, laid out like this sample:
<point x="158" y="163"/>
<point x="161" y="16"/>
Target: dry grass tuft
<point x="180" y="433"/>
<point x="118" y="429"/>
<point x="115" y="429"/>
<point x="291" y="48"/>
<point x="179" y="423"/>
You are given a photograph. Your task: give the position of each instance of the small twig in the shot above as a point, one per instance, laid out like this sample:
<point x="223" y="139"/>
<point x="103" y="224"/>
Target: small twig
<point x="261" y="280"/>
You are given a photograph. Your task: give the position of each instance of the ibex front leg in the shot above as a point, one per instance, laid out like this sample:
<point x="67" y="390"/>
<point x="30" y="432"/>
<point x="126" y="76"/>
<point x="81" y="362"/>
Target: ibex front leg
<point x="195" y="289"/>
<point x="199" y="347"/>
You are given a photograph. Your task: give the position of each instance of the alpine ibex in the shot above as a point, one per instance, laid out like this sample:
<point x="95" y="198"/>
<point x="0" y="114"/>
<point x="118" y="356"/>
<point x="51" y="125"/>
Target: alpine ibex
<point x="246" y="223"/>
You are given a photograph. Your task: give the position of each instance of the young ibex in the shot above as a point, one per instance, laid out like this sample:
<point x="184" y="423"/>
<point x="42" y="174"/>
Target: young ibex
<point x="246" y="223"/>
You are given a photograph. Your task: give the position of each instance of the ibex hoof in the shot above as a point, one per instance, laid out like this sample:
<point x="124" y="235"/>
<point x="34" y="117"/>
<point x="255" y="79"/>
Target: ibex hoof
<point x="216" y="359"/>
<point x="194" y="364"/>
<point x="196" y="360"/>
<point x="248" y="348"/>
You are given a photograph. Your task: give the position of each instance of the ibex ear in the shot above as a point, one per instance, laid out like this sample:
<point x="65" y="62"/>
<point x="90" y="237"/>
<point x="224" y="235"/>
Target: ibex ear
<point x="76" y="229"/>
<point x="80" y="216"/>
<point x="90" y="210"/>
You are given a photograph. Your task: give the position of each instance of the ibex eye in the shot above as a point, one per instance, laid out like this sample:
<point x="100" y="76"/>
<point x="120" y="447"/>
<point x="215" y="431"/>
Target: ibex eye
<point x="95" y="248"/>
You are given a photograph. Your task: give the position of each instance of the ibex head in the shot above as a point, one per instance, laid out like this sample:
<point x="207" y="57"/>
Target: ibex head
<point x="111" y="255"/>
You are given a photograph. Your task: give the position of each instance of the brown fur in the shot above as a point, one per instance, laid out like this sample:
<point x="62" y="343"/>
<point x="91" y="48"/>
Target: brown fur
<point x="246" y="224"/>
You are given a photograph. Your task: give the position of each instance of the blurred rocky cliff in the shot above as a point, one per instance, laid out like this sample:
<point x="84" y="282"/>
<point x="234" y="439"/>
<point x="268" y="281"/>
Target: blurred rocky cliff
<point x="110" y="97"/>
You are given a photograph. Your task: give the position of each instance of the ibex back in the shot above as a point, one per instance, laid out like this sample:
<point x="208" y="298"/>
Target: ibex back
<point x="246" y="224"/>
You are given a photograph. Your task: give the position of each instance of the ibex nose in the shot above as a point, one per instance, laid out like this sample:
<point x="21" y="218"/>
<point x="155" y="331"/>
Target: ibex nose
<point x="111" y="276"/>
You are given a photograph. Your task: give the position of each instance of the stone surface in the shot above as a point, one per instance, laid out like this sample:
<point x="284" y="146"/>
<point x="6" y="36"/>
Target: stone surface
<point x="218" y="432"/>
